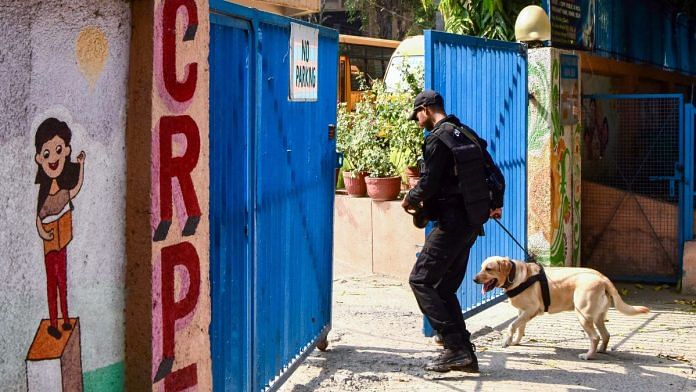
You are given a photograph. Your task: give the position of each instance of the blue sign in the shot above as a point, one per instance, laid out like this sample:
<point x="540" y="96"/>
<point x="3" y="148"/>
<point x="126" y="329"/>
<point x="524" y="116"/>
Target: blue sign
<point x="572" y="23"/>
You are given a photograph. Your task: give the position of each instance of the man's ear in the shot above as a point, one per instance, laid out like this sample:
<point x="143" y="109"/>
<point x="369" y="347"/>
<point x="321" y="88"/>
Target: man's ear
<point x="38" y="158"/>
<point x="68" y="150"/>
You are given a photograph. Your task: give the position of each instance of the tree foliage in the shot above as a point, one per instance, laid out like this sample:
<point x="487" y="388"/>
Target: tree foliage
<point x="494" y="19"/>
<point x="391" y="19"/>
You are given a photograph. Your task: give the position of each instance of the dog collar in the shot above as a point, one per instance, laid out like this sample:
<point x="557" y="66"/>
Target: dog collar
<point x="510" y="277"/>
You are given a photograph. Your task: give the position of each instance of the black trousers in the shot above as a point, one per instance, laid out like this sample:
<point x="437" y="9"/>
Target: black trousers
<point x="438" y="273"/>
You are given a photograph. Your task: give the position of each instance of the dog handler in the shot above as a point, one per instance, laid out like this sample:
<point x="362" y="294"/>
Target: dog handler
<point x="441" y="265"/>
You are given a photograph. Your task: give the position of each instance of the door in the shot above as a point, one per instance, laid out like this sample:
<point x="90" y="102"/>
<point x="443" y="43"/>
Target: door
<point x="295" y="162"/>
<point x="272" y="164"/>
<point x="484" y="83"/>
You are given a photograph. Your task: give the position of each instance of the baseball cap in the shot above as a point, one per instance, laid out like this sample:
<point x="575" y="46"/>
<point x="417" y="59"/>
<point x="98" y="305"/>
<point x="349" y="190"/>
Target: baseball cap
<point x="426" y="98"/>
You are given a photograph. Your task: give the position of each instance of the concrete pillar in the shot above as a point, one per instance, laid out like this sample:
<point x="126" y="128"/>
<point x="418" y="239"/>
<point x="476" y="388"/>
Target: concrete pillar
<point x="168" y="302"/>
<point x="554" y="157"/>
<point x="688" y="282"/>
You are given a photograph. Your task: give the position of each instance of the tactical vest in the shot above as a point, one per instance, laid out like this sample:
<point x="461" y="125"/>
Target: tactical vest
<point x="471" y="173"/>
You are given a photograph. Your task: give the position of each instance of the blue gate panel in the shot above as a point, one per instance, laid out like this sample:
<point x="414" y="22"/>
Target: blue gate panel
<point x="272" y="169"/>
<point x="230" y="83"/>
<point x="294" y="181"/>
<point x="484" y="83"/>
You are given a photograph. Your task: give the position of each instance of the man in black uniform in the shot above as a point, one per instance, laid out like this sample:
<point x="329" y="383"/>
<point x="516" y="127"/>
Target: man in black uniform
<point x="441" y="265"/>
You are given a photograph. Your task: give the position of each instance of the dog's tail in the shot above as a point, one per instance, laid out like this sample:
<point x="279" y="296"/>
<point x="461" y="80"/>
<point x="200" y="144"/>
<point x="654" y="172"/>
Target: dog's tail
<point x="619" y="304"/>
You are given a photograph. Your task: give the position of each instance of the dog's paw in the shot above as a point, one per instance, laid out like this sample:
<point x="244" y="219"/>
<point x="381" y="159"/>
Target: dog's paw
<point x="585" y="357"/>
<point x="506" y="342"/>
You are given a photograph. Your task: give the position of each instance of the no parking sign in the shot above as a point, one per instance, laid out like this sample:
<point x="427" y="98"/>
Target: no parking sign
<point x="304" y="52"/>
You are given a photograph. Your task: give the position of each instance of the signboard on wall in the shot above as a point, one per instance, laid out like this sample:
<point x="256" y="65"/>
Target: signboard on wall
<point x="572" y="23"/>
<point x="304" y="71"/>
<point x="570" y="91"/>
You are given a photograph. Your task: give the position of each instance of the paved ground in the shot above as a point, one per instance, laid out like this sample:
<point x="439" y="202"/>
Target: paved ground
<point x="376" y="344"/>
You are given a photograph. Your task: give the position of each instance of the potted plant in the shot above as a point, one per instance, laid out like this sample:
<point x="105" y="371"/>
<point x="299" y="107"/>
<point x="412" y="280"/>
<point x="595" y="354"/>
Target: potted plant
<point x="407" y="141"/>
<point x="384" y="182"/>
<point x="378" y="136"/>
<point x="408" y="136"/>
<point x="351" y="141"/>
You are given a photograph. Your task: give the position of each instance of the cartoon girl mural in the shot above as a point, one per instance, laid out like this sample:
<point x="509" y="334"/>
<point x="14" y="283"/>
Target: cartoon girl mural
<point x="60" y="180"/>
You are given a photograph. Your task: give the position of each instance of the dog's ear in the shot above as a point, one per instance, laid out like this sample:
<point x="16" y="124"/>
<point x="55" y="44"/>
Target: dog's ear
<point x="505" y="266"/>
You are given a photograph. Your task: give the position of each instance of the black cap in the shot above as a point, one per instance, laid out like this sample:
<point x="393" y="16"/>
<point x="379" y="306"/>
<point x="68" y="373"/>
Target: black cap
<point x="426" y="98"/>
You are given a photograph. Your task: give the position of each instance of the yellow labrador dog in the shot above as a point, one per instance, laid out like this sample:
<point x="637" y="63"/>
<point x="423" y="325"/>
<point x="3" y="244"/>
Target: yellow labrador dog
<point x="581" y="289"/>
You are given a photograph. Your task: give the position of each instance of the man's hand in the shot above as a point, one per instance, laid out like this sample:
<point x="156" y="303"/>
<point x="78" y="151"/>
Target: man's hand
<point x="405" y="204"/>
<point x="497" y="213"/>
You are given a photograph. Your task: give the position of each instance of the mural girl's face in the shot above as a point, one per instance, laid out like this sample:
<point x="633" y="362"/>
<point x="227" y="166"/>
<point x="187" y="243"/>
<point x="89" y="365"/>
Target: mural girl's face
<point x="52" y="156"/>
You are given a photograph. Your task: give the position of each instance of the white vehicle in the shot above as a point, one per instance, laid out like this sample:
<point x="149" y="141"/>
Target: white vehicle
<point x="410" y="52"/>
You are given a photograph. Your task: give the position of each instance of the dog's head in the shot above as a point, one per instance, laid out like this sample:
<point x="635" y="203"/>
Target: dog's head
<point x="494" y="271"/>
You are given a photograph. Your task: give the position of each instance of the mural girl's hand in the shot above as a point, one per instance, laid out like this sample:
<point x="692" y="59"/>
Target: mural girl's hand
<point x="46" y="235"/>
<point x="81" y="157"/>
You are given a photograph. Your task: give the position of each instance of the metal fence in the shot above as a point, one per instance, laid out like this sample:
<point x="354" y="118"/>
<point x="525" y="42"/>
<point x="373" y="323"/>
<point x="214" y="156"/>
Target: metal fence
<point x="632" y="173"/>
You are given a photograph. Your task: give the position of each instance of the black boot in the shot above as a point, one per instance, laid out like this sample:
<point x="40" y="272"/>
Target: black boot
<point x="451" y="359"/>
<point x="473" y="367"/>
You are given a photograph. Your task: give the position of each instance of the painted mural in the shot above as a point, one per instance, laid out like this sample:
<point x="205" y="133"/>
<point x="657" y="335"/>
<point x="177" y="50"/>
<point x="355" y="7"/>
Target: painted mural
<point x="60" y="181"/>
<point x="62" y="128"/>
<point x="554" y="164"/>
<point x="180" y="290"/>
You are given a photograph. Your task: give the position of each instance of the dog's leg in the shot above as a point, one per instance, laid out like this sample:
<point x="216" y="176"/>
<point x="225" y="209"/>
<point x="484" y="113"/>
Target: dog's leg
<point x="519" y="322"/>
<point x="587" y="324"/>
<point x="602" y="332"/>
<point x="520" y="334"/>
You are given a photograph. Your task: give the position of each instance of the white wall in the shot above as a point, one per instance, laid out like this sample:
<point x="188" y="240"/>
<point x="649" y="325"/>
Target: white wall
<point x="67" y="59"/>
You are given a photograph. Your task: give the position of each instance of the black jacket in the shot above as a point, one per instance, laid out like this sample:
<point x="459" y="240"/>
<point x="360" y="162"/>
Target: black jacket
<point x="438" y="186"/>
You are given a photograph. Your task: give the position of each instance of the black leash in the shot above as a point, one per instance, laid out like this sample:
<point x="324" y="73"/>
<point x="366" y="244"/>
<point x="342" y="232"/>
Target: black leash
<point x="529" y="257"/>
<point x="541" y="278"/>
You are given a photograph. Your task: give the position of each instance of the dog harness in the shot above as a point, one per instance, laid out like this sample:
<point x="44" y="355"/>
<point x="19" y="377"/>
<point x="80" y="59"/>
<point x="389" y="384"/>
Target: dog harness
<point x="540" y="277"/>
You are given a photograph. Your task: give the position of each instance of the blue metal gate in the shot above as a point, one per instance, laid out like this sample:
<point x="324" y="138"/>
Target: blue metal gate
<point x="636" y="203"/>
<point x="686" y="213"/>
<point x="272" y="166"/>
<point x="484" y="83"/>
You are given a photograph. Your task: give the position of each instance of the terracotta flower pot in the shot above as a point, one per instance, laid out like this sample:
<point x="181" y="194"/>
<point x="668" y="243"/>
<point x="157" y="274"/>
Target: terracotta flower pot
<point x="355" y="185"/>
<point x="412" y="171"/>
<point x="413" y="175"/>
<point x="382" y="189"/>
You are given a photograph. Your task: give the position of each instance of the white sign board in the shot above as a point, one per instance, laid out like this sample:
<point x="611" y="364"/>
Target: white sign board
<point x="304" y="55"/>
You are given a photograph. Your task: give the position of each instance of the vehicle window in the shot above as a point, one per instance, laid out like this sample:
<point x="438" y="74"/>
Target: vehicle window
<point x="394" y="79"/>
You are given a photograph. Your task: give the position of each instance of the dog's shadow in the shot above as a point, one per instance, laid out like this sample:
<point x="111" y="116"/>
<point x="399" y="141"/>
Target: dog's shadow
<point x="561" y="367"/>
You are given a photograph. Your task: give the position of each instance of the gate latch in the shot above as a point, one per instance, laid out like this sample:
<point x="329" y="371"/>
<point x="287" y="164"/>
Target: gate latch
<point x="678" y="176"/>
